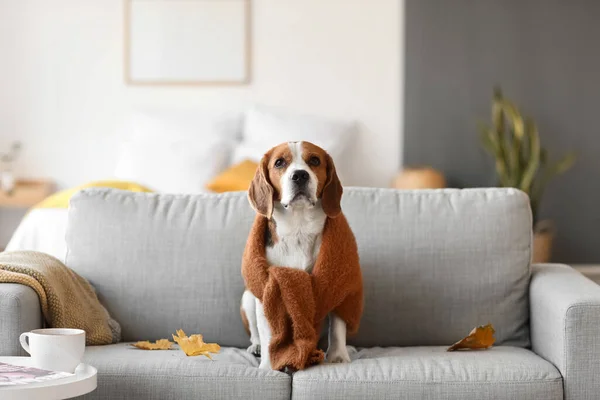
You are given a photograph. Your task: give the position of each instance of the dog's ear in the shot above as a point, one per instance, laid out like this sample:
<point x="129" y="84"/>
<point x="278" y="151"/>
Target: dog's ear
<point x="332" y="191"/>
<point x="260" y="193"/>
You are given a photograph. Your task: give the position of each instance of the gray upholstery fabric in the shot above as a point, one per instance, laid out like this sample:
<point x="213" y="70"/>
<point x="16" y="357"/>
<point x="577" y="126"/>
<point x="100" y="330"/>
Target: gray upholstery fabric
<point x="162" y="262"/>
<point x="565" y="327"/>
<point x="441" y="258"/>
<point x="450" y="258"/>
<point x="127" y="373"/>
<point x="19" y="312"/>
<point x="432" y="373"/>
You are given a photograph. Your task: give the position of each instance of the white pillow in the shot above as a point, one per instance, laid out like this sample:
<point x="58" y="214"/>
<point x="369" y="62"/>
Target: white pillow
<point x="265" y="128"/>
<point x="176" y="151"/>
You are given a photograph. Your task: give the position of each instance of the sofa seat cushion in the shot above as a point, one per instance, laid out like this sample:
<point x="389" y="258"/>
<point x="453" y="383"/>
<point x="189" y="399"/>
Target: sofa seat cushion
<point x="432" y="373"/>
<point x="125" y="372"/>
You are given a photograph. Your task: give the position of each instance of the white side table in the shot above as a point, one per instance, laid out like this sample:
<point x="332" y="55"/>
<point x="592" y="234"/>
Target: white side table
<point x="84" y="381"/>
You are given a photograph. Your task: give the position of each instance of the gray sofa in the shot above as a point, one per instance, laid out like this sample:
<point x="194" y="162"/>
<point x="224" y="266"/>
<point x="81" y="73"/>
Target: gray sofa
<point x="435" y="264"/>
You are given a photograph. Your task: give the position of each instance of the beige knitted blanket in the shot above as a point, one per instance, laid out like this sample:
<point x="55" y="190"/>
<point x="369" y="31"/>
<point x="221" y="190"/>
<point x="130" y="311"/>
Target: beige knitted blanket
<point x="67" y="300"/>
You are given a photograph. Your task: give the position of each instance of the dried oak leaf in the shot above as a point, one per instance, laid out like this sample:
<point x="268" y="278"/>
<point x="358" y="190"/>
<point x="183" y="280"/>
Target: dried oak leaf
<point x="161" y="344"/>
<point x="481" y="337"/>
<point x="194" y="345"/>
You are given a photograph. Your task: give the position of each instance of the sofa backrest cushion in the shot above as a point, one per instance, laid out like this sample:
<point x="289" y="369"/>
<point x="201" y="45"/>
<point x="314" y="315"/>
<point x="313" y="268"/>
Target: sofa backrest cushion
<point x="435" y="263"/>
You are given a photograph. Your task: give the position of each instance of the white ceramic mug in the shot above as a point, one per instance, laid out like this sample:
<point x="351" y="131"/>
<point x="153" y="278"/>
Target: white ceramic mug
<point x="55" y="349"/>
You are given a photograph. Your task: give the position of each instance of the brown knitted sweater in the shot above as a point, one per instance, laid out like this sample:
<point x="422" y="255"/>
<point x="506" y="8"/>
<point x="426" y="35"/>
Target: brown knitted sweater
<point x="296" y="302"/>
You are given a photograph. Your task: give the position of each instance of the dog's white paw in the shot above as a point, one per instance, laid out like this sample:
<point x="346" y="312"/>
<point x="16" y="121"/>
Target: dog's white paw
<point x="265" y="364"/>
<point x="254" y="349"/>
<point x="337" y="355"/>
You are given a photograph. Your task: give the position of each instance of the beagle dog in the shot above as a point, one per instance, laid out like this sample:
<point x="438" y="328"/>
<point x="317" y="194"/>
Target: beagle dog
<point x="299" y="189"/>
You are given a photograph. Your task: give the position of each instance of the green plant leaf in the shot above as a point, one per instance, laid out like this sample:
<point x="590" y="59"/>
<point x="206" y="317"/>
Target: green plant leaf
<point x="490" y="137"/>
<point x="549" y="172"/>
<point x="514" y="158"/>
<point x="513" y="142"/>
<point x="496" y="150"/>
<point x="497" y="92"/>
<point x="525" y="144"/>
<point x="563" y="165"/>
<point x="515" y="117"/>
<point x="498" y="114"/>
<point x="534" y="160"/>
<point x="487" y="143"/>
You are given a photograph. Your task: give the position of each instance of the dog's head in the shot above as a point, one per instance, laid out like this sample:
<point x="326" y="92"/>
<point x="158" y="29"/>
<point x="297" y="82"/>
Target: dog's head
<point x="296" y="174"/>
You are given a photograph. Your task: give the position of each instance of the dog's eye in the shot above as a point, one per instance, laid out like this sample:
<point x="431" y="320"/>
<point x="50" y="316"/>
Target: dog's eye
<point x="314" y="161"/>
<point x="279" y="163"/>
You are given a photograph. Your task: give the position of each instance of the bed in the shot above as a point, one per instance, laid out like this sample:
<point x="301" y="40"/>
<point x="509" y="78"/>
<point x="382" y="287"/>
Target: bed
<point x="42" y="230"/>
<point x="181" y="151"/>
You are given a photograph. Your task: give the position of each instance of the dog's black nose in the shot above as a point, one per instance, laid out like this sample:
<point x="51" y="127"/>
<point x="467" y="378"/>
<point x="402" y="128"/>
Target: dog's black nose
<point x="299" y="176"/>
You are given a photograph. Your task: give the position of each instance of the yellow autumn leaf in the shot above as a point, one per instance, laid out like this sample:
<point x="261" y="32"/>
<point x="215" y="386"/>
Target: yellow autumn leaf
<point x="194" y="345"/>
<point x="161" y="344"/>
<point x="481" y="337"/>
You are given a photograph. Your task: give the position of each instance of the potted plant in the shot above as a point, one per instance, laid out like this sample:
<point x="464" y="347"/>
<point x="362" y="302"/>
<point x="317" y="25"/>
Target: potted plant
<point x="419" y="177"/>
<point x="521" y="162"/>
<point x="7" y="179"/>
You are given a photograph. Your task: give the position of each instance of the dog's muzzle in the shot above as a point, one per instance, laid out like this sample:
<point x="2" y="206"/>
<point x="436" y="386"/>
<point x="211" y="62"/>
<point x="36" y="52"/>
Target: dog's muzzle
<point x="300" y="177"/>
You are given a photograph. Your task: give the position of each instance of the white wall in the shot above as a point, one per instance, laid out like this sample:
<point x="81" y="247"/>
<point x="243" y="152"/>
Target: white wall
<point x="62" y="90"/>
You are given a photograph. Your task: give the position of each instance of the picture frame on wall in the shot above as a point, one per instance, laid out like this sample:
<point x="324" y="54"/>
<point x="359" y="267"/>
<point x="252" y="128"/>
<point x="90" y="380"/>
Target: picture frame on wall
<point x="187" y="42"/>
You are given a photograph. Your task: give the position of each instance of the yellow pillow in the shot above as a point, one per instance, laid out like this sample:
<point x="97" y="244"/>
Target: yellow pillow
<point x="61" y="199"/>
<point x="235" y="178"/>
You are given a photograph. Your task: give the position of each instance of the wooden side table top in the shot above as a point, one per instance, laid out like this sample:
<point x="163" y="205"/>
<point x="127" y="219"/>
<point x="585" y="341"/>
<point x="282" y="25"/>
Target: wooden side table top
<point x="27" y="193"/>
<point x="592" y="271"/>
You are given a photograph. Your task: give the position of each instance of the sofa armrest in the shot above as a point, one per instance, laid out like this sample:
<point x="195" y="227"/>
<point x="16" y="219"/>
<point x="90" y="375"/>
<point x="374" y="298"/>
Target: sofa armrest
<point x="565" y="326"/>
<point x="19" y="312"/>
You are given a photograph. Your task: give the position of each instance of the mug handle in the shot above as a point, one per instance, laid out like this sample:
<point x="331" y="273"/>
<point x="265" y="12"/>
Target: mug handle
<point x="23" y="339"/>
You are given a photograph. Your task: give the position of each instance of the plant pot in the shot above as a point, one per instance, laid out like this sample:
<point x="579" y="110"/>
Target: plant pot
<point x="419" y="178"/>
<point x="543" y="237"/>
